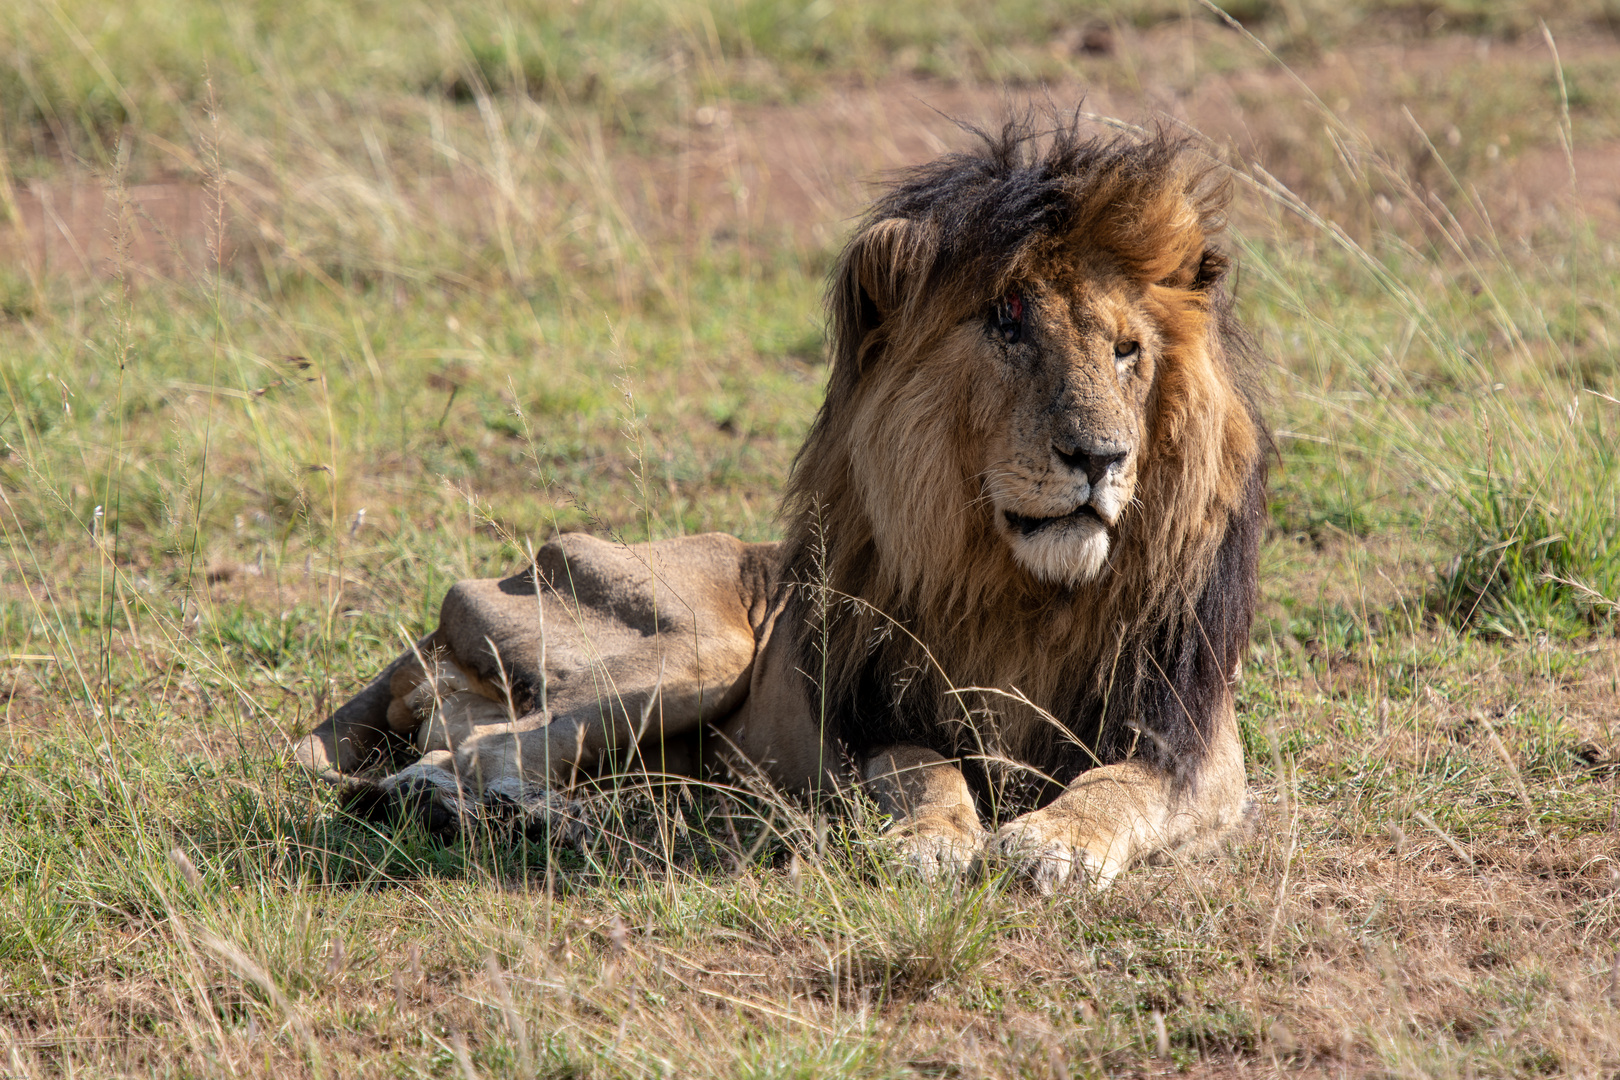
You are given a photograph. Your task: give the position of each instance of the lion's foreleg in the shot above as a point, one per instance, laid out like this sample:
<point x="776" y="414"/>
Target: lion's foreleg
<point x="935" y="818"/>
<point x="1115" y="815"/>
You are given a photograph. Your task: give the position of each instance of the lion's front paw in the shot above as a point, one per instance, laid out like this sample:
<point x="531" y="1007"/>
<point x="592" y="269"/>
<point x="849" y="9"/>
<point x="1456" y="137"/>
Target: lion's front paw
<point x="1048" y="856"/>
<point x="939" y="854"/>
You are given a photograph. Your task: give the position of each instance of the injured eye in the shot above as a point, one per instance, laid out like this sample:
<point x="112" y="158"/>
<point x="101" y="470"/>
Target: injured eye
<point x="1007" y="318"/>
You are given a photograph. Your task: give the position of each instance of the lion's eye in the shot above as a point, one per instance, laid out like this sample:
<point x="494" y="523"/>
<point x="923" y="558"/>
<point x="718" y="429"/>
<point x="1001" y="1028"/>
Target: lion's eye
<point x="1008" y="318"/>
<point x="1124" y="350"/>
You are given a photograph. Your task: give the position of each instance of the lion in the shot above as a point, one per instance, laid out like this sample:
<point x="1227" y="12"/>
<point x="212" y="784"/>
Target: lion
<point x="1020" y="561"/>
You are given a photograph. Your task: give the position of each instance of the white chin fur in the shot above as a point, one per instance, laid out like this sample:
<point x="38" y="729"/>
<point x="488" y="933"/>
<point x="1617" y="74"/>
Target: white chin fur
<point x="1064" y="554"/>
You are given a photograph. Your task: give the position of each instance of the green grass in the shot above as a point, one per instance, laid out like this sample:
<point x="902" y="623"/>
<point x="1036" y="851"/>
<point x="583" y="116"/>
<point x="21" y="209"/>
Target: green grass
<point x="448" y="274"/>
<point x="82" y="71"/>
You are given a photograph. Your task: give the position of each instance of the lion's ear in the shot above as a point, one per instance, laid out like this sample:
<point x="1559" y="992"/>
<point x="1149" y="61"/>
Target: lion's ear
<point x="1212" y="267"/>
<point x="1200" y="271"/>
<point x="872" y="281"/>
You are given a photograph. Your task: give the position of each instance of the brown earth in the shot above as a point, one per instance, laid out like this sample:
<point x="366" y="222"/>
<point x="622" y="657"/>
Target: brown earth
<point x="808" y="164"/>
<point x="731" y="174"/>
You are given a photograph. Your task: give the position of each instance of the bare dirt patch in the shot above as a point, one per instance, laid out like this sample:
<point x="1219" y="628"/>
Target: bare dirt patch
<point x="70" y="228"/>
<point x="732" y="173"/>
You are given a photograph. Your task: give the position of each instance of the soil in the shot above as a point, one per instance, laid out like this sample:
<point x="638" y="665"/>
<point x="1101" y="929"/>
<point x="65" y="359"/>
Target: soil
<point x="730" y="174"/>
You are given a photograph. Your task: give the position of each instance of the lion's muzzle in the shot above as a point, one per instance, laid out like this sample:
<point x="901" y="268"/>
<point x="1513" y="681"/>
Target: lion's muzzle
<point x="1063" y="537"/>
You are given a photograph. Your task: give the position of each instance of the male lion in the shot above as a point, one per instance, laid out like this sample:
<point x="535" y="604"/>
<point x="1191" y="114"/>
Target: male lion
<point x="1020" y="565"/>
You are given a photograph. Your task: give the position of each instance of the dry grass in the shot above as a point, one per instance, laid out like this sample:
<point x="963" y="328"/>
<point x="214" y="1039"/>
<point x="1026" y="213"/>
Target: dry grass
<point x="484" y="273"/>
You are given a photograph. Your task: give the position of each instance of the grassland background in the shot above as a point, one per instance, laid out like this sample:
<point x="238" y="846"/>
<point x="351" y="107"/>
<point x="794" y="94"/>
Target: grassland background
<point x="309" y="309"/>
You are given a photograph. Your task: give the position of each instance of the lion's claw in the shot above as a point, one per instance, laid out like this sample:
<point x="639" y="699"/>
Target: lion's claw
<point x="1047" y="862"/>
<point x="937" y="857"/>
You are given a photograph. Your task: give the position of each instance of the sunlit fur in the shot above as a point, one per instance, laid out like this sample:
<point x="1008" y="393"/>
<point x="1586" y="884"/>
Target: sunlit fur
<point x="928" y="434"/>
<point x="1067" y="555"/>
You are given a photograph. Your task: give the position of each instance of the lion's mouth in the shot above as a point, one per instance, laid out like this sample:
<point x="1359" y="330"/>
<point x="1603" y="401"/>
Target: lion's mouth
<point x="1024" y="525"/>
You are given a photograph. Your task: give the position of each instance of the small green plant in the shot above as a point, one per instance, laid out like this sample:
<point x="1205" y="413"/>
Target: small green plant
<point x="916" y="935"/>
<point x="1541" y="558"/>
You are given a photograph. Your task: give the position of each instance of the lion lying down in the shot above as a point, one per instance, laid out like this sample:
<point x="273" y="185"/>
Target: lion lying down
<point x="1020" y="565"/>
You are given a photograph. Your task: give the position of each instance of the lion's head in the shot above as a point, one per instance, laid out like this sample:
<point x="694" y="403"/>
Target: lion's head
<point x="1036" y="431"/>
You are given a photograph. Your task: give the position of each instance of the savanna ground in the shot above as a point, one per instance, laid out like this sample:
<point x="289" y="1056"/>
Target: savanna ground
<point x="309" y="309"/>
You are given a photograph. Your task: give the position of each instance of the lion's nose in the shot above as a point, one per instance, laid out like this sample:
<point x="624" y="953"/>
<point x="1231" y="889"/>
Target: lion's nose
<point x="1093" y="464"/>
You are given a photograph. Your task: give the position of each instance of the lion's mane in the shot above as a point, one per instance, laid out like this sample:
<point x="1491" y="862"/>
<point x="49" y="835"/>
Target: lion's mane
<point x="904" y="595"/>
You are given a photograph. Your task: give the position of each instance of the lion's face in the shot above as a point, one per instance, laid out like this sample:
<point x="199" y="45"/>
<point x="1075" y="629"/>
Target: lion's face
<point x="1065" y="370"/>
<point x="1020" y="425"/>
<point x="1027" y="393"/>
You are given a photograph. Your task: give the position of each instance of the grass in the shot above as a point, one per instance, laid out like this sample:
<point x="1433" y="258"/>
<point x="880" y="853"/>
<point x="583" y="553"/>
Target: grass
<point x="1534" y="560"/>
<point x="447" y="281"/>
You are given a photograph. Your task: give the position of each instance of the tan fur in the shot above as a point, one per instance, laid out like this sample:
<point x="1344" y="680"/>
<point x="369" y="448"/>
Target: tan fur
<point x="904" y="505"/>
<point x="916" y="542"/>
<point x="639" y="647"/>
<point x="1113" y="816"/>
<point x="931" y="408"/>
<point x="932" y="806"/>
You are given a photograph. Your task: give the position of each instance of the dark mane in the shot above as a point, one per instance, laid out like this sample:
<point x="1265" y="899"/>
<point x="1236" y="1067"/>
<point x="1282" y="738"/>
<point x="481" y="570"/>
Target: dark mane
<point x="1133" y="665"/>
<point x="982" y="208"/>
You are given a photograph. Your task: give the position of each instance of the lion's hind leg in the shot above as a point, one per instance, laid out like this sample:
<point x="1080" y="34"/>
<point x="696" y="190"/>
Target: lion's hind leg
<point x="445" y="711"/>
<point x="429" y="704"/>
<point x="370" y="729"/>
<point x="935" y="819"/>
